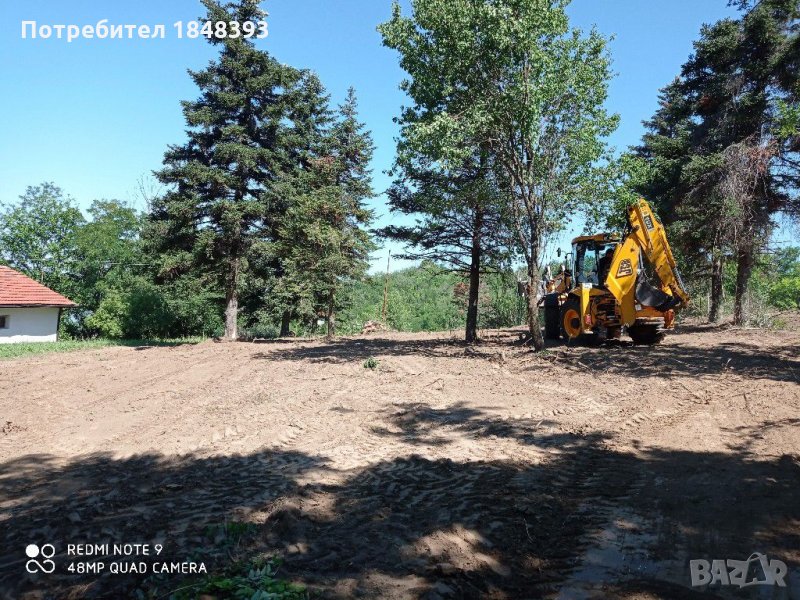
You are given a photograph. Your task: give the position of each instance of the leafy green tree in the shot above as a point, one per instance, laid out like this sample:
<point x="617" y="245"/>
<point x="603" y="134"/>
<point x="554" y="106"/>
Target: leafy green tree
<point x="615" y="186"/>
<point x="216" y="206"/>
<point x="512" y="76"/>
<point x="38" y="237"/>
<point x="108" y="251"/>
<point x="784" y="278"/>
<point x="459" y="222"/>
<point x="431" y="298"/>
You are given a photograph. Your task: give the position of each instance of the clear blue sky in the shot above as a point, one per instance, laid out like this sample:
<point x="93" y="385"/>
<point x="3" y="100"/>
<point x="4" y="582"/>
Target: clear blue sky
<point x="95" y="116"/>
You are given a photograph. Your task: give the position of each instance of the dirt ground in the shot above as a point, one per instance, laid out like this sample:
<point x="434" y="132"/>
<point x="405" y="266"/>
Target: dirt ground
<point x="446" y="472"/>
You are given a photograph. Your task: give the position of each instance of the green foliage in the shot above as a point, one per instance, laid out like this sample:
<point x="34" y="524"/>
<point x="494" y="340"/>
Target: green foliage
<point x="774" y="285"/>
<point x="262" y="328"/>
<point x="785" y="293"/>
<point x="9" y="351"/>
<point x="240" y="131"/>
<point x="430" y="298"/>
<point x="615" y="186"/>
<point x="512" y="78"/>
<point x="783" y="279"/>
<point x="266" y="199"/>
<point x="502" y="306"/>
<point x="321" y="241"/>
<point x="371" y="363"/>
<point x="107" y="253"/>
<point x="254" y="581"/>
<point x="38" y="236"/>
<point x="723" y="145"/>
<point x="142" y="309"/>
<point x="419" y="299"/>
<point x="111" y="316"/>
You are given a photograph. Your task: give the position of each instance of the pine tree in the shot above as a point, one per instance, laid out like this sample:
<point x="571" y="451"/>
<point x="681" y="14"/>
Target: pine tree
<point x="322" y="241"/>
<point x="682" y="184"/>
<point x="310" y="115"/>
<point x="724" y="156"/>
<point x="218" y="180"/>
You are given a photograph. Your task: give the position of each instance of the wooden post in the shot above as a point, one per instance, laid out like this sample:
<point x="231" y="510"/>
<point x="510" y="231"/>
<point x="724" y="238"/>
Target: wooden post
<point x="386" y="289"/>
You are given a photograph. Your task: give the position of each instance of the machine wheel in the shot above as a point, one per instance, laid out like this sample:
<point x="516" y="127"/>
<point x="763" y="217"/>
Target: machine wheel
<point x="552" y="317"/>
<point x="571" y="319"/>
<point x="646" y="334"/>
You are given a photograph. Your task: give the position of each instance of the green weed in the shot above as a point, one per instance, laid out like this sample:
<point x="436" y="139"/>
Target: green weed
<point x="254" y="581"/>
<point x="10" y="351"/>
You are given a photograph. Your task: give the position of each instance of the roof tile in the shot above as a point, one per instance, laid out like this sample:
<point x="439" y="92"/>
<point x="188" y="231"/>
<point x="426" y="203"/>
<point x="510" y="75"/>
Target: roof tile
<point x="17" y="289"/>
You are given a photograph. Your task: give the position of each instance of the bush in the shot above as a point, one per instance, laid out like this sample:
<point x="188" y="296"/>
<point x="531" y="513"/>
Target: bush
<point x="429" y="298"/>
<point x="108" y="321"/>
<point x="261" y="330"/>
<point x="785" y="293"/>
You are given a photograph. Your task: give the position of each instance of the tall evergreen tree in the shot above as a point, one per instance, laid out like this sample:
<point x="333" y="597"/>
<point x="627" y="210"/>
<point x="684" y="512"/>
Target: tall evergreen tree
<point x="682" y="183"/>
<point x="217" y="204"/>
<point x="322" y="242"/>
<point x="311" y="117"/>
<point x="727" y="117"/>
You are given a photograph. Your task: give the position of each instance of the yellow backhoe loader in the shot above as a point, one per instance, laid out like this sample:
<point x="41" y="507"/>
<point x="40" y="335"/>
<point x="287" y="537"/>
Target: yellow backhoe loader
<point x="605" y="284"/>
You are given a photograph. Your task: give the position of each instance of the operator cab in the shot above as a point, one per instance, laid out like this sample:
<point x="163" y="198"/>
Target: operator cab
<point x="593" y="255"/>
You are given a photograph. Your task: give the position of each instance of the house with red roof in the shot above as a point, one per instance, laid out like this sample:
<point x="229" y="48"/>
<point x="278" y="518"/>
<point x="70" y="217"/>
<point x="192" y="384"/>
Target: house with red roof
<point x="29" y="311"/>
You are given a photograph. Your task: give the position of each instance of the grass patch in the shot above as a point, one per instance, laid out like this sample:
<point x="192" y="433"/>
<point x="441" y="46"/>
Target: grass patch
<point x="11" y="351"/>
<point x="255" y="583"/>
<point x="255" y="580"/>
<point x="229" y="533"/>
<point x="371" y="363"/>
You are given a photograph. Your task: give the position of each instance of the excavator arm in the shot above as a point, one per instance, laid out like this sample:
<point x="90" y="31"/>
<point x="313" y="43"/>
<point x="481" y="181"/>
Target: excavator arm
<point x="652" y="239"/>
<point x="646" y="237"/>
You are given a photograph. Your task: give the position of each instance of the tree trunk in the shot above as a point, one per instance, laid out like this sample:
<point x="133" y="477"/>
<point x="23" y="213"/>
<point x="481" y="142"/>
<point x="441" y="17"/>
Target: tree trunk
<point x="232" y="301"/>
<point x="744" y="269"/>
<point x="534" y="326"/>
<point x="474" y="279"/>
<point x="286" y="321"/>
<point x="716" y="289"/>
<point x="331" y="317"/>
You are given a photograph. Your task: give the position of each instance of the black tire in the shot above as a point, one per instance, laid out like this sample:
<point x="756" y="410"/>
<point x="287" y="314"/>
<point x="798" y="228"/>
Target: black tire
<point x="570" y="307"/>
<point x="552" y="318"/>
<point x="645" y="335"/>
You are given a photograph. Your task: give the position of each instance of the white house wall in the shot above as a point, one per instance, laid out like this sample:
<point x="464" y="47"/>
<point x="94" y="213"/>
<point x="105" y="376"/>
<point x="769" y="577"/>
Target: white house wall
<point x="29" y="325"/>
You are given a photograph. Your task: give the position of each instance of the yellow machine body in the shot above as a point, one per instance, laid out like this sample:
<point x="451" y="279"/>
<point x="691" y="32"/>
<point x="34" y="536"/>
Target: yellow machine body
<point x="625" y="297"/>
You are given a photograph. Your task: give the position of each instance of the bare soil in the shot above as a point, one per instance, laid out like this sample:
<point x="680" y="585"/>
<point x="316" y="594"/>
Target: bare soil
<point x="445" y="472"/>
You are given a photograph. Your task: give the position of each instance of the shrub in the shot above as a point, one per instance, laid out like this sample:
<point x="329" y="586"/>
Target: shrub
<point x="785" y="293"/>
<point x="109" y="318"/>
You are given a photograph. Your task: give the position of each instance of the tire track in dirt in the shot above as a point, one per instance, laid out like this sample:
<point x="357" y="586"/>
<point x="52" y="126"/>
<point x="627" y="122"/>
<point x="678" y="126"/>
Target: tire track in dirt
<point x="493" y="472"/>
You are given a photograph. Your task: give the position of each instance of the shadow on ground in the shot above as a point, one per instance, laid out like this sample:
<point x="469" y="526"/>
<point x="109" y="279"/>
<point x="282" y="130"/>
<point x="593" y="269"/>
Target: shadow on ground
<point x="663" y="360"/>
<point x="411" y="526"/>
<point x="668" y="360"/>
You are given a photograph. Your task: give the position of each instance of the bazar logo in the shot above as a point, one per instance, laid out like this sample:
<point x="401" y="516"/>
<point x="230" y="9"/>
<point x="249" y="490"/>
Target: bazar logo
<point x="756" y="570"/>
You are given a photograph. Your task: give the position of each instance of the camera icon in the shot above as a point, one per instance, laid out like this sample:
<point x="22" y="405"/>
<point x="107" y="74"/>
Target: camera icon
<point x="46" y="552"/>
